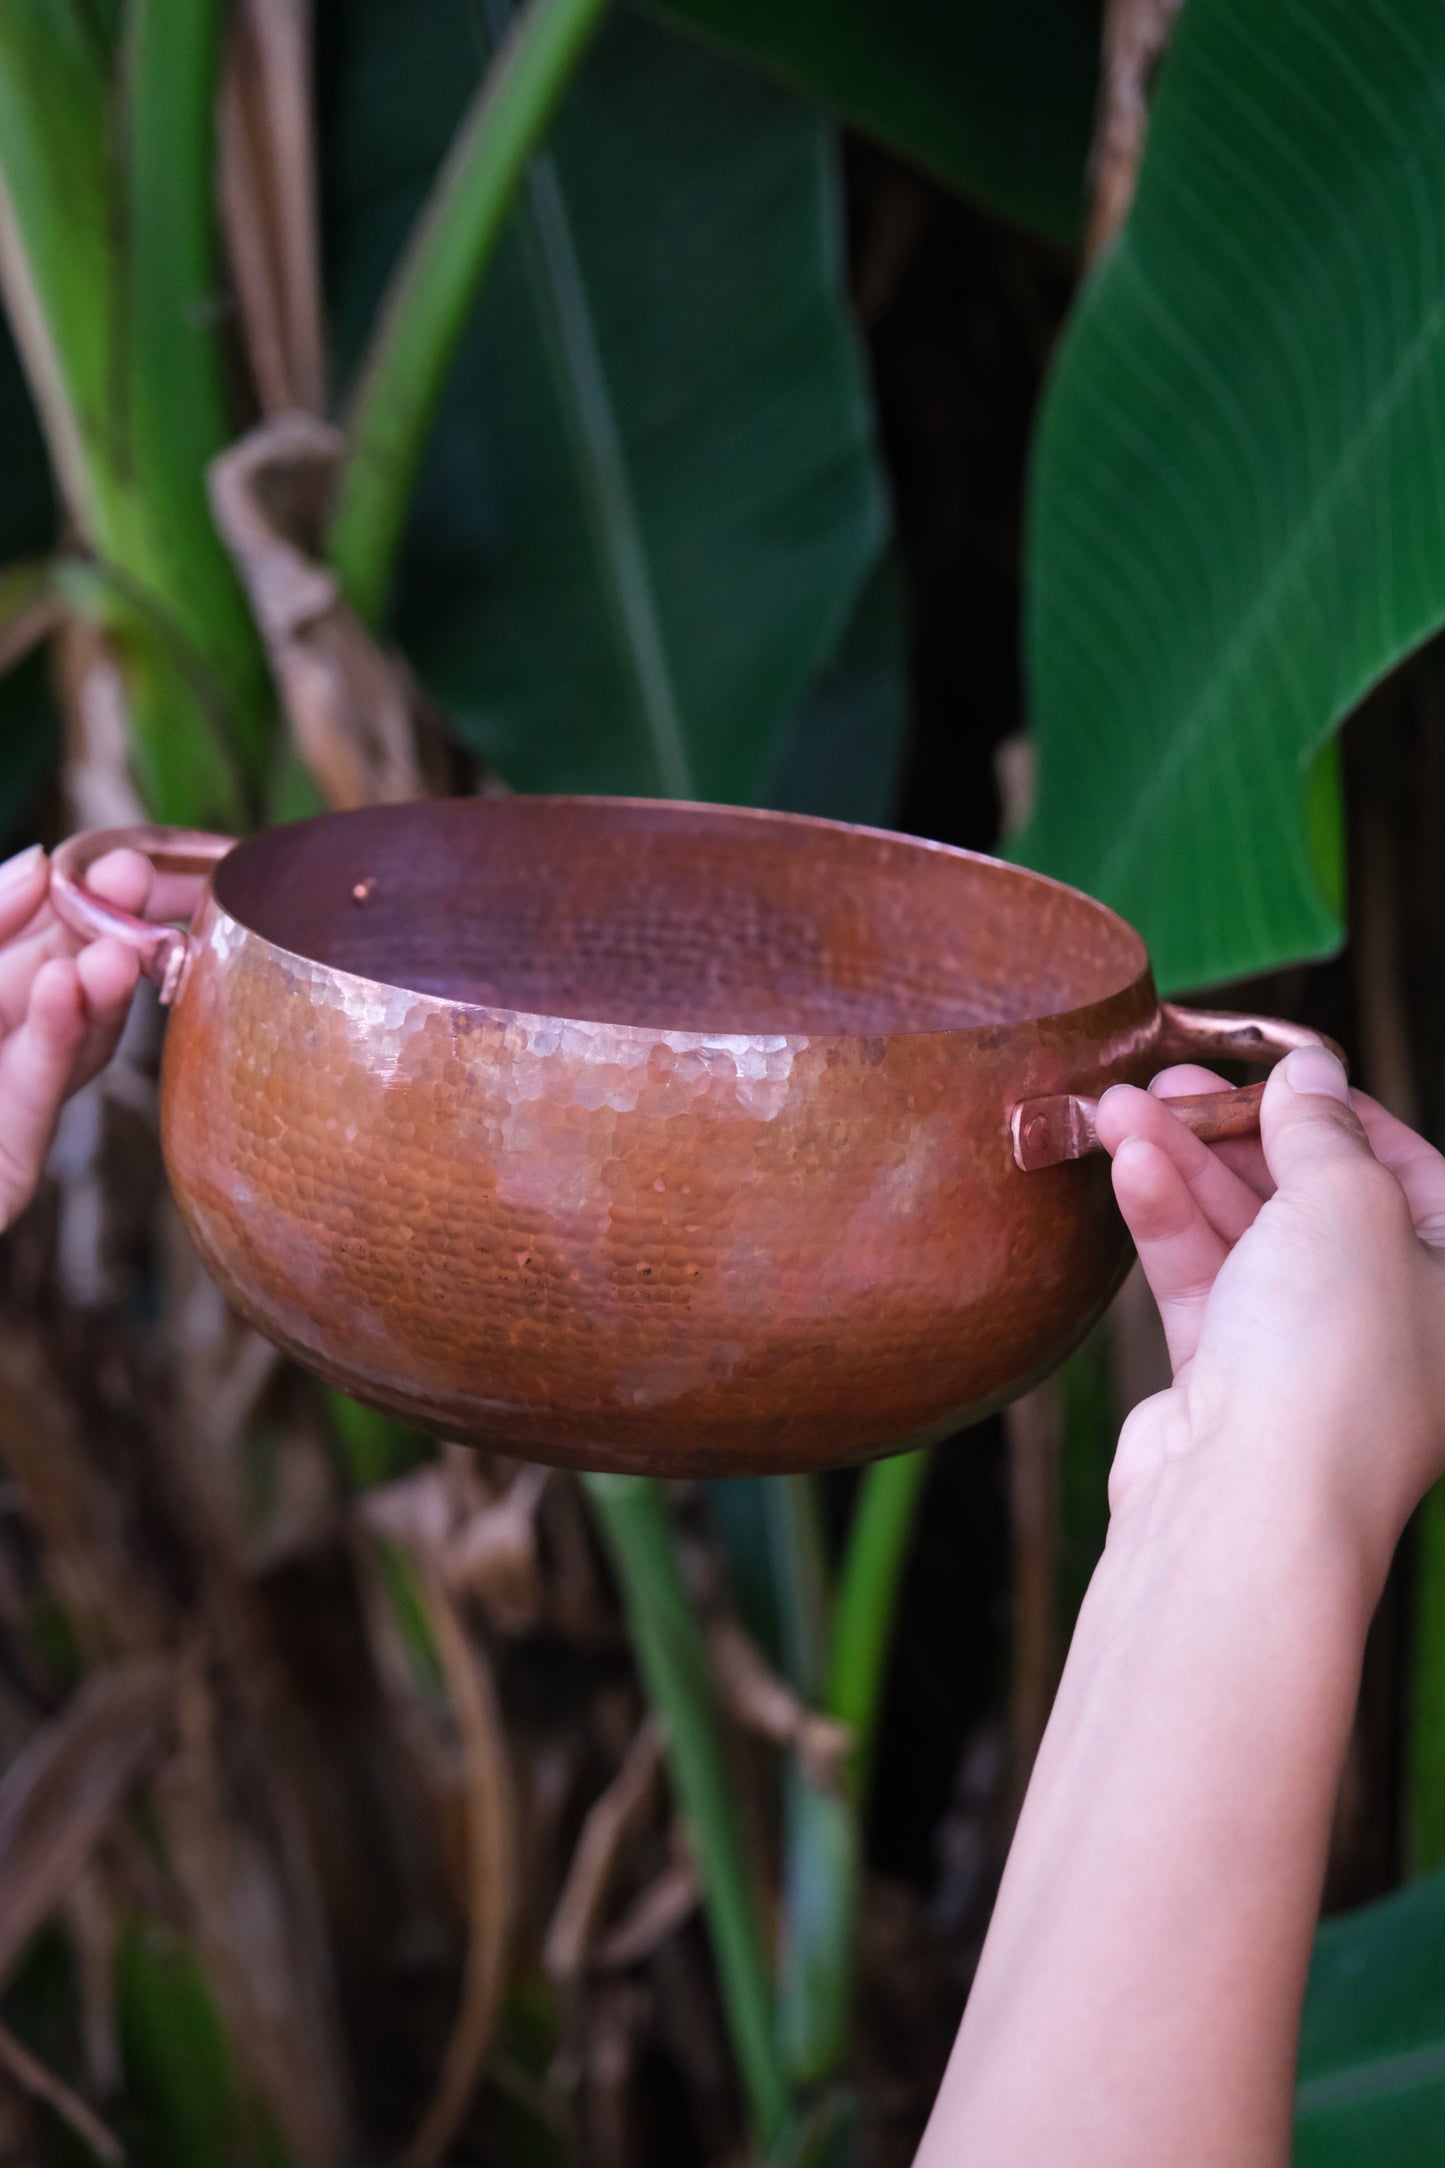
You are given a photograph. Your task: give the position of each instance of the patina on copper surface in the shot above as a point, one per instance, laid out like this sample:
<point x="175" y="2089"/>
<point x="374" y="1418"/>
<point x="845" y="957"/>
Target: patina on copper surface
<point x="648" y="1136"/>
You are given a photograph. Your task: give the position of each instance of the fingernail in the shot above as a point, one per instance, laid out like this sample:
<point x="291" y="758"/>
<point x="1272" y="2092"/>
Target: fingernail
<point x="1315" y="1070"/>
<point x="19" y="868"/>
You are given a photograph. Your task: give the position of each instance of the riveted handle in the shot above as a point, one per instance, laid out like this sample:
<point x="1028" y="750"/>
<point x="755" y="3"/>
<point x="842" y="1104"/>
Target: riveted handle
<point x="162" y="949"/>
<point x="1063" y="1126"/>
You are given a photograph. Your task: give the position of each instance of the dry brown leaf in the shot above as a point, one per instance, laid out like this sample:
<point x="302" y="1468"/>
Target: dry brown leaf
<point x="429" y="1755"/>
<point x="220" y="1370"/>
<point x="19" y="2140"/>
<point x="92" y="1922"/>
<point x="62" y="1792"/>
<point x="79" y="1497"/>
<point x="492" y="1553"/>
<point x="1015" y="772"/>
<point x="492" y="1864"/>
<point x="763" y="1703"/>
<point x="31" y="2074"/>
<point x="616" y="2022"/>
<point x="610" y="1821"/>
<point x="134" y="1543"/>
<point x="482" y="1542"/>
<point x="1135" y="35"/>
<point x="579" y="1606"/>
<point x="417" y="1509"/>
<point x="90" y="688"/>
<point x="268" y="200"/>
<point x="241" y="1859"/>
<point x="144" y="1884"/>
<point x="357" y="716"/>
<point x="650" y="1920"/>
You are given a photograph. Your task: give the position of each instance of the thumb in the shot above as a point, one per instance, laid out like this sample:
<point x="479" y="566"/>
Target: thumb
<point x="1306" y="1121"/>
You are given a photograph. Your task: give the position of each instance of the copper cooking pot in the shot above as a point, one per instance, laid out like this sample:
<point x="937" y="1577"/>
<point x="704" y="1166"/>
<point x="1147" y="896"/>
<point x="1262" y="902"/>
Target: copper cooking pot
<point x="650" y="1136"/>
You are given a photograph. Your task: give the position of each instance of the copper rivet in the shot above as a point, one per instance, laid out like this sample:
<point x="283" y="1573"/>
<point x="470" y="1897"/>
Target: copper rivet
<point x="362" y="891"/>
<point x="1036" y="1134"/>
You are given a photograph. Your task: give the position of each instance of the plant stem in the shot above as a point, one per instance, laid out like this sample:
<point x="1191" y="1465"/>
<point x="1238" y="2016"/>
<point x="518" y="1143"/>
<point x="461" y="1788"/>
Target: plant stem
<point x="822" y="1868"/>
<point x="800" y="1580"/>
<point x="825" y="2138"/>
<point x="176" y="418"/>
<point x="433" y="288"/>
<point x="820" y="1839"/>
<point x="823" y="1850"/>
<point x="107" y="259"/>
<point x="635" y="1520"/>
<point x="867" y="1598"/>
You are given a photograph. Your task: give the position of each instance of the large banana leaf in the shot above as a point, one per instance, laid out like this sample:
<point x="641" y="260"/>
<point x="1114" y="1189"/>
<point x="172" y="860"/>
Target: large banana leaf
<point x="652" y="498"/>
<point x="1372" y="2056"/>
<point x="998" y="100"/>
<point x="1239" y="497"/>
<point x="843" y="755"/>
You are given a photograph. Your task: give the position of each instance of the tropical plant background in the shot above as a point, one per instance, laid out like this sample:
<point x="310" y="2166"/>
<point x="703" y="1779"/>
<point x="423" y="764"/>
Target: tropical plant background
<point x="1022" y="426"/>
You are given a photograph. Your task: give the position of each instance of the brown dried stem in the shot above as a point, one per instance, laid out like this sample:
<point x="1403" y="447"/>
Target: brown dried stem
<point x="491" y="1862"/>
<point x="1135" y="35"/>
<point x="268" y="200"/>
<point x="30" y="2073"/>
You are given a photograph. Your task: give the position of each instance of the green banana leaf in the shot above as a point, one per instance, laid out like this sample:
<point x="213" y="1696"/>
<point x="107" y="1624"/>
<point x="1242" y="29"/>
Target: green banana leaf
<point x="998" y="101"/>
<point x="844" y="751"/>
<point x="1372" y="2054"/>
<point x="1238" y="504"/>
<point x="653" y="498"/>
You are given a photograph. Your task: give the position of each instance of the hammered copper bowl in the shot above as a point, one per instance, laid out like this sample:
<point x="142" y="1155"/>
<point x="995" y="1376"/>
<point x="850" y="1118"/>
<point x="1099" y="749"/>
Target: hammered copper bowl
<point x="648" y="1136"/>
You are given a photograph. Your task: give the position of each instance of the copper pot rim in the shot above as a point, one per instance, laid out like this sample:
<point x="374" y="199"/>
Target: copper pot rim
<point x="1077" y="1014"/>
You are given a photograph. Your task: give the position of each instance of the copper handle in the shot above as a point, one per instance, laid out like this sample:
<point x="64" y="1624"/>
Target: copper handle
<point x="1064" y="1126"/>
<point x="162" y="949"/>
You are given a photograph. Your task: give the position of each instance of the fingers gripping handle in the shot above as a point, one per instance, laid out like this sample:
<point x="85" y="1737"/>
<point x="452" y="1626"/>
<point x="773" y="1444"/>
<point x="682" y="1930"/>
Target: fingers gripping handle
<point x="162" y="949"/>
<point x="1048" y="1131"/>
<point x="1064" y="1126"/>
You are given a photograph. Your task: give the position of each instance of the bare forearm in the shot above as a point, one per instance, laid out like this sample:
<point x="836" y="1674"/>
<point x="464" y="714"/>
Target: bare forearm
<point x="1139" y="1993"/>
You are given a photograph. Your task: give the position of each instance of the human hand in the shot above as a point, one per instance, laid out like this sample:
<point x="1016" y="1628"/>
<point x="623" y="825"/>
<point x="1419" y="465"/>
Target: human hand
<point x="63" y="1002"/>
<point x="1159" y="1902"/>
<point x="1301" y="1284"/>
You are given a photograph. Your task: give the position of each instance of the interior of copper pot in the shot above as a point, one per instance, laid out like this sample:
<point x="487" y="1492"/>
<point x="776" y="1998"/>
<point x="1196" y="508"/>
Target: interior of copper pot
<point x="681" y="917"/>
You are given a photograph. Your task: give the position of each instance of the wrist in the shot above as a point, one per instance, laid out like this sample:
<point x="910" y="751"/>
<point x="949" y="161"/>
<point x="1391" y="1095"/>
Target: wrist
<point x="1160" y="1896"/>
<point x="1268" y="1520"/>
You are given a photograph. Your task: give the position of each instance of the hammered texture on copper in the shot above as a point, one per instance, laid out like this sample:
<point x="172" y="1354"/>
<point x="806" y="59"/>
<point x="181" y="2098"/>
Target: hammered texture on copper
<point x="648" y="1137"/>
